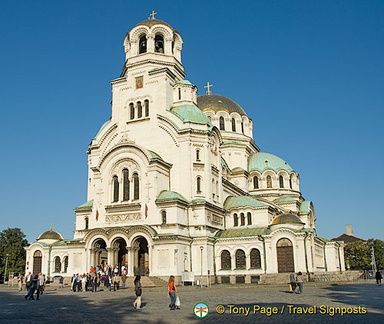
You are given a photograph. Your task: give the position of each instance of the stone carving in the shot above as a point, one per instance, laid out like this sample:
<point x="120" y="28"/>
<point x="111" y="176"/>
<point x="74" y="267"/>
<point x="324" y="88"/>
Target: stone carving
<point x="123" y="218"/>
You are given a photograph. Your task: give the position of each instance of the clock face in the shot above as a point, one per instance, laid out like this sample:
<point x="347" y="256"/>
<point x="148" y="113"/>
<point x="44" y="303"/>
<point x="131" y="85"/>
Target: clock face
<point x="139" y="82"/>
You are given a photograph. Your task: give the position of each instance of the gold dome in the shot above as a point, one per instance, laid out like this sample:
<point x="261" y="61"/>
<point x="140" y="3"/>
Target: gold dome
<point x="216" y="103"/>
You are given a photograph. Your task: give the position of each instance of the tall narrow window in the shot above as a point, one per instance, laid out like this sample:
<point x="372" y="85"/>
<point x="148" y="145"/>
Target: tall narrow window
<point x="65" y="261"/>
<point x="240" y="259"/>
<point x="198" y="185"/>
<point x="143" y="44"/>
<point x="139" y="110"/>
<point x="235" y="220"/>
<point x="132" y="111"/>
<point x="197" y="155"/>
<point x="164" y="217"/>
<point x="179" y="93"/>
<point x="136" y="188"/>
<point x="269" y="181"/>
<point x="225" y="260"/>
<point x="233" y="125"/>
<point x="126" y="185"/>
<point x="242" y="127"/>
<point x="57" y="264"/>
<point x="242" y="219"/>
<point x="290" y="181"/>
<point x="255" y="259"/>
<point x="255" y="182"/>
<point x="281" y="181"/>
<point x="249" y="216"/>
<point x="86" y="223"/>
<point x="159" y="44"/>
<point x="146" y="107"/>
<point x="115" y="181"/>
<point x="221" y="123"/>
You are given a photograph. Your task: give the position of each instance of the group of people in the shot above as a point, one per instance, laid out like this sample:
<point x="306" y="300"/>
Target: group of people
<point x="34" y="284"/>
<point x="296" y="282"/>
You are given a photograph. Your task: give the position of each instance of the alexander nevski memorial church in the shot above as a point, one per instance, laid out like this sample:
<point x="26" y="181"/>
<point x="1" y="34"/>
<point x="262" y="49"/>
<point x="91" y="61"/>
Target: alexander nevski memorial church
<point x="177" y="185"/>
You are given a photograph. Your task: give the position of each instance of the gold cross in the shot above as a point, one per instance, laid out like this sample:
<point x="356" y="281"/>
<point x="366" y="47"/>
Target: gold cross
<point x="208" y="86"/>
<point x="152" y="15"/>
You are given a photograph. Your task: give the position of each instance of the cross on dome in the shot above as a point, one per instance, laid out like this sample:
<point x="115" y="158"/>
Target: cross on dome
<point x="152" y="15"/>
<point x="208" y="86"/>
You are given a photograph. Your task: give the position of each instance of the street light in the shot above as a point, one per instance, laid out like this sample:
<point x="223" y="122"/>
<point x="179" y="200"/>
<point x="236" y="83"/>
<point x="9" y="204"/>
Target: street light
<point x="6" y="266"/>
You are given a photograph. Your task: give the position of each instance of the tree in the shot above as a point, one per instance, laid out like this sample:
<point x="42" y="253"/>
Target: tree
<point x="12" y="243"/>
<point x="378" y="247"/>
<point x="358" y="254"/>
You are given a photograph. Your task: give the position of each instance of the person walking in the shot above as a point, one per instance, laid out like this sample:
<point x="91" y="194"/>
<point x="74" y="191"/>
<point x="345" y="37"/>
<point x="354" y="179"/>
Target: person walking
<point x="172" y="291"/>
<point x="138" y="292"/>
<point x="20" y="281"/>
<point x="292" y="282"/>
<point x="299" y="282"/>
<point x="378" y="277"/>
<point x="32" y="288"/>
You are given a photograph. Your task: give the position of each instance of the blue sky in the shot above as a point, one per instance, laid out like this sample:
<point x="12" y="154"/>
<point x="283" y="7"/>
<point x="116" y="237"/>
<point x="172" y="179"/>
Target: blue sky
<point x="310" y="74"/>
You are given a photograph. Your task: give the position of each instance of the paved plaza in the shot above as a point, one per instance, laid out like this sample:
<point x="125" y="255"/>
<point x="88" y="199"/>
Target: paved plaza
<point x="240" y="304"/>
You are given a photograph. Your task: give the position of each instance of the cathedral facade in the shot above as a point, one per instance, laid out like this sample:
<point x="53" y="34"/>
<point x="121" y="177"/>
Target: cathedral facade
<point x="177" y="185"/>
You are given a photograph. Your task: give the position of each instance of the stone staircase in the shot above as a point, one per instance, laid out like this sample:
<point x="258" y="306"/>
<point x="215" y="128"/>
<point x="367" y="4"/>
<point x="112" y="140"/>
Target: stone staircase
<point x="147" y="282"/>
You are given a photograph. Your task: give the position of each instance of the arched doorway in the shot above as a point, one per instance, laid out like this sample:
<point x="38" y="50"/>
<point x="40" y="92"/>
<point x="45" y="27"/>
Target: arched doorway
<point x="100" y="253"/>
<point x="285" y="262"/>
<point x="120" y="253"/>
<point x="141" y="257"/>
<point x="37" y="262"/>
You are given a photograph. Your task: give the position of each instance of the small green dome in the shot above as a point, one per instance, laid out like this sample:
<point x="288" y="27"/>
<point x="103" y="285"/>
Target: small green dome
<point x="242" y="201"/>
<point x="50" y="235"/>
<point x="190" y="114"/>
<point x="286" y="219"/>
<point x="217" y="103"/>
<point x="266" y="161"/>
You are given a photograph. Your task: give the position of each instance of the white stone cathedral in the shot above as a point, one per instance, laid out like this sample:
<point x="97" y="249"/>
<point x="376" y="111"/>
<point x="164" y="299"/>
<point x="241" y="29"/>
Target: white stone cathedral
<point x="177" y="185"/>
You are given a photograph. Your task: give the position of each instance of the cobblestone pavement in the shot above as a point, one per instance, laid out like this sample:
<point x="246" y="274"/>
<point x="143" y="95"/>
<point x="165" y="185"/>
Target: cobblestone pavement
<point x="263" y="304"/>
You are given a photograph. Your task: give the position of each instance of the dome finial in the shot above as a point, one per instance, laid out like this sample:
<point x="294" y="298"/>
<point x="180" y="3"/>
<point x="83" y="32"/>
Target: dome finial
<point x="50" y="228"/>
<point x="208" y="86"/>
<point x="152" y="15"/>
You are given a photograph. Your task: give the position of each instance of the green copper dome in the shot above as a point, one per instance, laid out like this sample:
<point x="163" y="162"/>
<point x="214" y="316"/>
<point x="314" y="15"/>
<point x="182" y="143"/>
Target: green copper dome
<point x="190" y="114"/>
<point x="287" y="219"/>
<point x="50" y="235"/>
<point x="266" y="161"/>
<point x="242" y="201"/>
<point x="217" y="103"/>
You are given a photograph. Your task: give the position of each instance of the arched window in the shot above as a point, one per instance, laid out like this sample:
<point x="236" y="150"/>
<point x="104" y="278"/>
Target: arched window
<point x="86" y="223"/>
<point x="242" y="127"/>
<point x="126" y="185"/>
<point x="115" y="181"/>
<point x="249" y="218"/>
<point x="221" y="123"/>
<point x="159" y="44"/>
<point x="240" y="259"/>
<point x="136" y="188"/>
<point x="255" y="182"/>
<point x="242" y="219"/>
<point x="281" y="181"/>
<point x="269" y="181"/>
<point x="225" y="260"/>
<point x="57" y="264"/>
<point x="143" y="44"/>
<point x="65" y="261"/>
<point x="37" y="262"/>
<point x="197" y="155"/>
<point x="233" y="125"/>
<point x="164" y="217"/>
<point x="198" y="185"/>
<point x="290" y="181"/>
<point x="139" y="110"/>
<point x="255" y="259"/>
<point x="179" y="93"/>
<point x="235" y="220"/>
<point x="132" y="110"/>
<point x="146" y="107"/>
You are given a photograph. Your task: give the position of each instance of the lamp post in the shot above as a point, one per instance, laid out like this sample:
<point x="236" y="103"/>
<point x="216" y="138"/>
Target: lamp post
<point x="6" y="266"/>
